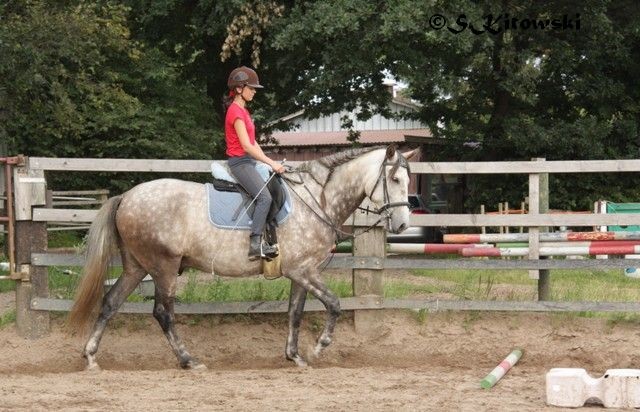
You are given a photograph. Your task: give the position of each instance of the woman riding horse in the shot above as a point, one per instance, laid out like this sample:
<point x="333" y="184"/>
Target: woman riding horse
<point x="243" y="151"/>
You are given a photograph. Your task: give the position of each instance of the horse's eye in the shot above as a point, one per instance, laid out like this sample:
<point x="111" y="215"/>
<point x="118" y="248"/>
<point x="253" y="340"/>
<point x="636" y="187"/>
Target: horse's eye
<point x="395" y="179"/>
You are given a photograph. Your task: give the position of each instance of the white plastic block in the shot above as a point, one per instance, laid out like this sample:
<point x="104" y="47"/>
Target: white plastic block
<point x="572" y="387"/>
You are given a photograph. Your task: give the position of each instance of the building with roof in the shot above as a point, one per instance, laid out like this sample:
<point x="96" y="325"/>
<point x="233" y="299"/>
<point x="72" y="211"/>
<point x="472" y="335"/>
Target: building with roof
<point x="308" y="137"/>
<point x="313" y="138"/>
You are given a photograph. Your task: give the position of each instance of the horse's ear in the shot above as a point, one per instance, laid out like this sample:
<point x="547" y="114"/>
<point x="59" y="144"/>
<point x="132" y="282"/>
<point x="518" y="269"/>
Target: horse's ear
<point x="391" y="151"/>
<point x="412" y="154"/>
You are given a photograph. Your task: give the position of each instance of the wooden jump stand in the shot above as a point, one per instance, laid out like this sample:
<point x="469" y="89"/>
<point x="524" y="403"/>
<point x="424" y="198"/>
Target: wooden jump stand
<point x="31" y="237"/>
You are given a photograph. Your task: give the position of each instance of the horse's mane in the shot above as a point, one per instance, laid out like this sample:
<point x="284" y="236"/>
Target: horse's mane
<point x="334" y="160"/>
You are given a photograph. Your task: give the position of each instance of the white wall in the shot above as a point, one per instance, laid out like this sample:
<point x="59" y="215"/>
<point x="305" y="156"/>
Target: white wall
<point x="377" y="122"/>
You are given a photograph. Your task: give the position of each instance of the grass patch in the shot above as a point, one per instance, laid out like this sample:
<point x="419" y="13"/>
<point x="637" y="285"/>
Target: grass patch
<point x="65" y="238"/>
<point x="235" y="290"/>
<point x="566" y="285"/>
<point x="615" y="319"/>
<point x="63" y="281"/>
<point x="7" y="318"/>
<point x="7" y="285"/>
<point x="398" y="289"/>
<point x="227" y="291"/>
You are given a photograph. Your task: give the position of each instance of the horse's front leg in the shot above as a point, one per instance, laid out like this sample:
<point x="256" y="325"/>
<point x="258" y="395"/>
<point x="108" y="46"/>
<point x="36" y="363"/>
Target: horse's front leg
<point x="297" y="298"/>
<point x="311" y="283"/>
<point x="332" y="304"/>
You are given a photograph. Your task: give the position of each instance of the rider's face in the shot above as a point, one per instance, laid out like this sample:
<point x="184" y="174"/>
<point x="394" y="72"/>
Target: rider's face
<point x="248" y="92"/>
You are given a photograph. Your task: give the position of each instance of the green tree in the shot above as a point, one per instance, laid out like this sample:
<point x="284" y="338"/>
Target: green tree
<point x="77" y="85"/>
<point x="514" y="94"/>
<point x="519" y="93"/>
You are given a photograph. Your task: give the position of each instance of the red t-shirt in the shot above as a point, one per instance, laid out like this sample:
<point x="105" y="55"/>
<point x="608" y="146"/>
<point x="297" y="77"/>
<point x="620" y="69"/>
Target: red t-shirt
<point x="235" y="111"/>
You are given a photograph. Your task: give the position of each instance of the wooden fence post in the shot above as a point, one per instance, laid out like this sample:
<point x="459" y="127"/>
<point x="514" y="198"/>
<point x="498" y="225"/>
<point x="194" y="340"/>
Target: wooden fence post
<point x="544" y="286"/>
<point x="31" y="237"/>
<point x="369" y="282"/>
<point x="538" y="203"/>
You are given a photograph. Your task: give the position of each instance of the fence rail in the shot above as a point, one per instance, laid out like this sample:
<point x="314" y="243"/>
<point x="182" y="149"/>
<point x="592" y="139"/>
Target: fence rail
<point x="78" y="197"/>
<point x="523" y="167"/>
<point x="396" y="262"/>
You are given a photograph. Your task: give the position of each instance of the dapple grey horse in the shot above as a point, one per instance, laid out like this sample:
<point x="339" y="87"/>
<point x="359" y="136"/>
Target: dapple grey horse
<point x="161" y="228"/>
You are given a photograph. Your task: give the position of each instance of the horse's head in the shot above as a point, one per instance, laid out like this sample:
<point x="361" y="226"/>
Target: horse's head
<point x="389" y="191"/>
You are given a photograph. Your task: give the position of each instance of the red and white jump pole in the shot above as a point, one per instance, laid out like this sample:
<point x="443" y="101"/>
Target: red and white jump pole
<point x="554" y="251"/>
<point x="429" y="248"/>
<point x="544" y="237"/>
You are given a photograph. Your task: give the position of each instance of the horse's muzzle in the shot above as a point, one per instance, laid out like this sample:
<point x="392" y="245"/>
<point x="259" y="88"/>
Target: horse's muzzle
<point x="397" y="230"/>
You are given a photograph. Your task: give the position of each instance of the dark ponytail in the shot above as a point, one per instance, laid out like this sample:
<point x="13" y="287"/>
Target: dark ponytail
<point x="227" y="99"/>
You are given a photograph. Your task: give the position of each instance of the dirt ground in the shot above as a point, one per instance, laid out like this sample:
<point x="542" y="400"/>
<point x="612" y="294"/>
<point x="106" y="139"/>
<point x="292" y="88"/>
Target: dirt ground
<point x="409" y="362"/>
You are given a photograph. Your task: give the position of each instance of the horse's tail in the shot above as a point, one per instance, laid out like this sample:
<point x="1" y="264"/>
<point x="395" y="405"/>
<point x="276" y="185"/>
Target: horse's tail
<point x="102" y="243"/>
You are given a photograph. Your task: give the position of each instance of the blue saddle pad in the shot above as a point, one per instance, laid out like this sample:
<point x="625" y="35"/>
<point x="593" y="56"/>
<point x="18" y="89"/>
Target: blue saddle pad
<point x="224" y="205"/>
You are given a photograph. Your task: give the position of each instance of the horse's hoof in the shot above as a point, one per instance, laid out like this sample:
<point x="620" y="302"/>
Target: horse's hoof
<point x="317" y="351"/>
<point x="194" y="365"/>
<point x="321" y="345"/>
<point x="301" y="363"/>
<point x="93" y="368"/>
<point x="199" y="367"/>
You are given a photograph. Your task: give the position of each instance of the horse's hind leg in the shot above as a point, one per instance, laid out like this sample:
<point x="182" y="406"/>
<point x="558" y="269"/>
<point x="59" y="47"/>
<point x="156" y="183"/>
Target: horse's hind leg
<point x="130" y="278"/>
<point x="297" y="298"/>
<point x="163" y="311"/>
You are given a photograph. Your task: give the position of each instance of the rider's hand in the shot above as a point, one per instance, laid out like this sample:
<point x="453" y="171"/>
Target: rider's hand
<point x="277" y="167"/>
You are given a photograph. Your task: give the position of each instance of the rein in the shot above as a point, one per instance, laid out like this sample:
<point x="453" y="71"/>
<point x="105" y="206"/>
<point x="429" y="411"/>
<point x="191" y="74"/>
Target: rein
<point x="383" y="210"/>
<point x="340" y="234"/>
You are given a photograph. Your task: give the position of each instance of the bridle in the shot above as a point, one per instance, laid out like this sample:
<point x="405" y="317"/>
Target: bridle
<point x="382" y="176"/>
<point x="383" y="210"/>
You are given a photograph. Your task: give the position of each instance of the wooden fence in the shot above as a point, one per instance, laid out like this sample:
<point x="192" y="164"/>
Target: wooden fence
<point x="367" y="263"/>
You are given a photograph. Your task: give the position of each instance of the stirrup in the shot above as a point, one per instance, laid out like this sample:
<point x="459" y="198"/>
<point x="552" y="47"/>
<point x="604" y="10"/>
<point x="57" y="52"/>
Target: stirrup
<point x="270" y="252"/>
<point x="257" y="249"/>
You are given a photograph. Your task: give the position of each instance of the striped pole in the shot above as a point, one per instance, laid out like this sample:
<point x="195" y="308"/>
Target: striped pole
<point x="499" y="371"/>
<point x="415" y="248"/>
<point x="430" y="248"/>
<point x="597" y="243"/>
<point x="544" y="237"/>
<point x="598" y="247"/>
<point x="554" y="251"/>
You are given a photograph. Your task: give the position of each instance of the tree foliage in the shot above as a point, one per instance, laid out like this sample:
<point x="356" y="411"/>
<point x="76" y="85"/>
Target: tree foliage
<point x="143" y="78"/>
<point x="78" y="85"/>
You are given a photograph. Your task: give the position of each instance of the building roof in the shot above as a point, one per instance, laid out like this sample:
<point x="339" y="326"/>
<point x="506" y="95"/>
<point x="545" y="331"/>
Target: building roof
<point x="328" y="130"/>
<point x="398" y="100"/>
<point x="340" y="137"/>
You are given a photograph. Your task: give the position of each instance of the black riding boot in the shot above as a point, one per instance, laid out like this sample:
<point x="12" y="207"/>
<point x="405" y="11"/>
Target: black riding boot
<point x="259" y="249"/>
